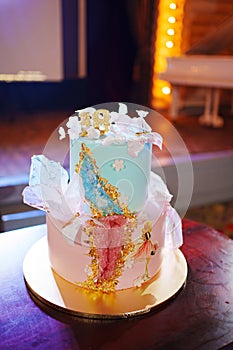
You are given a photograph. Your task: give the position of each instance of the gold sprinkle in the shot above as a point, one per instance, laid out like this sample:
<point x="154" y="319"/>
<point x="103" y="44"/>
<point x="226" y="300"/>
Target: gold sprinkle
<point x="83" y="133"/>
<point x="141" y="133"/>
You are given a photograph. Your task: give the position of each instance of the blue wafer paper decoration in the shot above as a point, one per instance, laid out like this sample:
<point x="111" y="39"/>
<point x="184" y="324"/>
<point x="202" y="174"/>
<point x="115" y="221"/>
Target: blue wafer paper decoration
<point x="100" y="195"/>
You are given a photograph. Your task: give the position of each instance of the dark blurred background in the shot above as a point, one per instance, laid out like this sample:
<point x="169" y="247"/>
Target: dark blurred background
<point x="115" y="32"/>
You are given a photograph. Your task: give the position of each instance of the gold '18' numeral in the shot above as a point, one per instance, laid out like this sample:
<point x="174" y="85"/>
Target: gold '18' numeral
<point x="100" y="120"/>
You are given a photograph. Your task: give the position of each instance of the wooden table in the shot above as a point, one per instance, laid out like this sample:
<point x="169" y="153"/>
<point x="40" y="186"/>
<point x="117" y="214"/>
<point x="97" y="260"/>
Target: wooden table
<point x="200" y="317"/>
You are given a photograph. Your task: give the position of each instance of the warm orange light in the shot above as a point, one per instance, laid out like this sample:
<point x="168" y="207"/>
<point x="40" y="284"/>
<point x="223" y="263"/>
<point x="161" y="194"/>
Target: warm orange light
<point x="171" y="19"/>
<point x="167" y="44"/>
<point x="172" y="6"/>
<point x="171" y="31"/>
<point x="166" y="90"/>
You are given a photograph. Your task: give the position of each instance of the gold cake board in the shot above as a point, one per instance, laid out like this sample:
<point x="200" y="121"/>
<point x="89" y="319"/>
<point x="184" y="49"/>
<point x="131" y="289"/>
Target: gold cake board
<point x="49" y="288"/>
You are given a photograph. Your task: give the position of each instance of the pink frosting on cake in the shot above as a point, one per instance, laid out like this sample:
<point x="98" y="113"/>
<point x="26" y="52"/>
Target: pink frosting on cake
<point x="71" y="260"/>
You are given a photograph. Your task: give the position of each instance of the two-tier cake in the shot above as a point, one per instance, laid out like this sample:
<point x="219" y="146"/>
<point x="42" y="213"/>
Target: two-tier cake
<point x="110" y="221"/>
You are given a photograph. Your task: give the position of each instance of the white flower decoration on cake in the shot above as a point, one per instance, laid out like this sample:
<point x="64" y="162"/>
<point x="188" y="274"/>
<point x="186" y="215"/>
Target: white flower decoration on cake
<point x="62" y="133"/>
<point x="118" y="164"/>
<point x="142" y="114"/>
<point x="123" y="199"/>
<point x="123" y="108"/>
<point x="129" y="264"/>
<point x="74" y="127"/>
<point x="93" y="133"/>
<point x="139" y="281"/>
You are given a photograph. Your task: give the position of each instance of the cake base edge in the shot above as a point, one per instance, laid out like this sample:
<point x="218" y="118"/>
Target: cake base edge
<point x="52" y="290"/>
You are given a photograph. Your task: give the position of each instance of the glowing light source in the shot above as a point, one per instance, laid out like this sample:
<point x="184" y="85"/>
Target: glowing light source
<point x="171" y="31"/>
<point x="171" y="19"/>
<point x="172" y="6"/>
<point x="23" y="76"/>
<point x="169" y="44"/>
<point x="166" y="90"/>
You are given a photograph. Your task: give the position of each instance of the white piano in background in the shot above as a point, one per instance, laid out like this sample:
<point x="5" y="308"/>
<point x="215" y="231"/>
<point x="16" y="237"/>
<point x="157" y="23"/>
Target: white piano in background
<point x="212" y="72"/>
